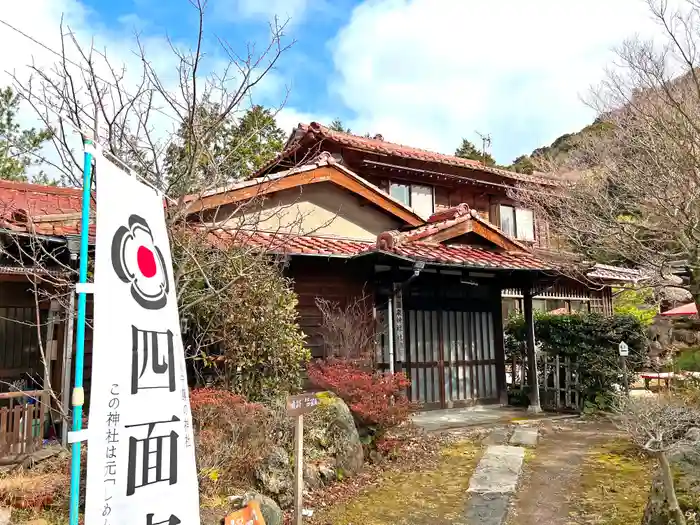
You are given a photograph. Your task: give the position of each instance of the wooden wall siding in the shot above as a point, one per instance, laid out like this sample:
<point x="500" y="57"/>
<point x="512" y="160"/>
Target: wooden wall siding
<point x="20" y="356"/>
<point x="599" y="300"/>
<point x="19" y="350"/>
<point x="566" y="290"/>
<point x="486" y="203"/>
<point x="330" y="280"/>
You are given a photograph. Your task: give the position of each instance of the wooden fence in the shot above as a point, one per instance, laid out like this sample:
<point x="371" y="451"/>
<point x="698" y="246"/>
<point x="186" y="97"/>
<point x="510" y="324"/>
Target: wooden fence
<point x="21" y="422"/>
<point x="557" y="377"/>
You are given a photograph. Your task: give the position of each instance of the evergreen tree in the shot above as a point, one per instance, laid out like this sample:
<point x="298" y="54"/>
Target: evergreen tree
<point x="19" y="148"/>
<point x="238" y="149"/>
<point x="337" y="125"/>
<point x="468" y="151"/>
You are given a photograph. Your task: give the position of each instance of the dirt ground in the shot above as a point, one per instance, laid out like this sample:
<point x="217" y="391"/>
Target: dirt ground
<point x="556" y="476"/>
<point x="421" y="495"/>
<point x="580" y="473"/>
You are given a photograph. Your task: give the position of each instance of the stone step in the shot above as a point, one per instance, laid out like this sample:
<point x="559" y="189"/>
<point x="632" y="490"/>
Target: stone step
<point x="487" y="509"/>
<point x="498" y="470"/>
<point x="526" y="436"/>
<point x="493" y="483"/>
<point x="498" y="436"/>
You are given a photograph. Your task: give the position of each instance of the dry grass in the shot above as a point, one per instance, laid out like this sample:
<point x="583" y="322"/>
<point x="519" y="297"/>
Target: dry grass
<point x="615" y="483"/>
<point x="433" y="495"/>
<point x="38" y="493"/>
<point x="26" y="490"/>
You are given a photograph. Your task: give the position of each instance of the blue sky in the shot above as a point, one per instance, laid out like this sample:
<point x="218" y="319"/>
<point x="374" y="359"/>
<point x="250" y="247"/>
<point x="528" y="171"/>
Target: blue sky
<point x="420" y="72"/>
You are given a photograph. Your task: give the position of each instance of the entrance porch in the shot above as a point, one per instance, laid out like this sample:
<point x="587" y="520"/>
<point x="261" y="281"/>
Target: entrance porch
<point x="443" y="327"/>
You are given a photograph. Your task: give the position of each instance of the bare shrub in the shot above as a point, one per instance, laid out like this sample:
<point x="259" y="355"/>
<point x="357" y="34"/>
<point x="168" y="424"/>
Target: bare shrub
<point x="348" y="332"/>
<point x="660" y="425"/>
<point x="635" y="195"/>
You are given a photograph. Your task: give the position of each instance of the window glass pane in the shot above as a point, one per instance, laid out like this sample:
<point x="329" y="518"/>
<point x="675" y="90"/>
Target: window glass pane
<point x="579" y="306"/>
<point x="400" y="192"/>
<point x="508" y="220"/>
<point x="508" y="308"/>
<point x="422" y="200"/>
<point x="524" y="219"/>
<point x="539" y="305"/>
<point x="557" y="304"/>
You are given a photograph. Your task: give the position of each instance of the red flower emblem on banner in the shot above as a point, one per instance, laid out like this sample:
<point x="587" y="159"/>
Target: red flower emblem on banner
<point x="138" y="261"/>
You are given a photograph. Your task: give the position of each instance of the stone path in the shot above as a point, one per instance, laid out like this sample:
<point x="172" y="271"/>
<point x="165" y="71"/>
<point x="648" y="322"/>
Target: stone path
<point x="553" y="474"/>
<point x="496" y="477"/>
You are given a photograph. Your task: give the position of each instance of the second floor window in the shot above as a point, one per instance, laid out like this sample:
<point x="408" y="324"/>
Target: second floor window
<point x="416" y="196"/>
<point x="518" y="222"/>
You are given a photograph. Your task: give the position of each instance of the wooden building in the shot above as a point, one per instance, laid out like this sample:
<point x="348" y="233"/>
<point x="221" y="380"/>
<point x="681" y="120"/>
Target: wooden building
<point x="433" y="239"/>
<point x="39" y="232"/>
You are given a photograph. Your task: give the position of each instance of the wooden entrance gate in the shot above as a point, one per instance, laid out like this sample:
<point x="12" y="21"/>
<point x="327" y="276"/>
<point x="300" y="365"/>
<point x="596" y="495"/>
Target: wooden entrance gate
<point x="450" y="357"/>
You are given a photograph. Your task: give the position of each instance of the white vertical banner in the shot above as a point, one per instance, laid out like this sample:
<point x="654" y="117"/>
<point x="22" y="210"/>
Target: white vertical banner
<point x="141" y="465"/>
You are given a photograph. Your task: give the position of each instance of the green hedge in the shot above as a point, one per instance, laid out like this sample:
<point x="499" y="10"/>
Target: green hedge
<point x="592" y="339"/>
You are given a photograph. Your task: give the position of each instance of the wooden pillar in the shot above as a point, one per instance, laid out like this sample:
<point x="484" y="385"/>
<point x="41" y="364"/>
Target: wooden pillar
<point x="399" y="344"/>
<point x="531" y="356"/>
<point x="298" y="468"/>
<point x="500" y="349"/>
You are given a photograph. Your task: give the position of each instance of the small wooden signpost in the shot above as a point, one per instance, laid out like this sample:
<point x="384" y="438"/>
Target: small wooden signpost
<point x="297" y="406"/>
<point x="624" y="352"/>
<point x="250" y="515"/>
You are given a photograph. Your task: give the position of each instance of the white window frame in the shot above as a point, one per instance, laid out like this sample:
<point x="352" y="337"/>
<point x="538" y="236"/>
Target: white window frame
<point x="514" y="214"/>
<point x="410" y="195"/>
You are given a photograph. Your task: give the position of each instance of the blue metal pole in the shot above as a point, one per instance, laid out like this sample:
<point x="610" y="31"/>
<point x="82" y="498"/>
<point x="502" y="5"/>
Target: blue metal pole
<point x="78" y="394"/>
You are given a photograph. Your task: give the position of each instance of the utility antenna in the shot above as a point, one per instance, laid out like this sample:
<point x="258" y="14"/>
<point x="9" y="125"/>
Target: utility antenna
<point x="485" y="145"/>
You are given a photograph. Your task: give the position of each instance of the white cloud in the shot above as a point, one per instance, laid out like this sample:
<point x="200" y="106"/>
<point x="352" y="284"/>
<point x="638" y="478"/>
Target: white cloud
<point x="428" y="72"/>
<point x="292" y="10"/>
<point x="41" y="20"/>
<point x="288" y="118"/>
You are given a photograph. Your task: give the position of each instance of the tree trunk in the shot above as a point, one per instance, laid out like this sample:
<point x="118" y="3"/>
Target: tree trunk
<point x="667" y="476"/>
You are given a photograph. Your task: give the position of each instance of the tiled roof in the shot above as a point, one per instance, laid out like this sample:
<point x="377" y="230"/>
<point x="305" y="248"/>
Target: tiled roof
<point x="615" y="273"/>
<point x="38" y="200"/>
<point x="470" y="256"/>
<point x="44" y="210"/>
<point x="439" y="221"/>
<point x="456" y="254"/>
<point x="293" y="244"/>
<point x="21" y="270"/>
<point x="380" y="146"/>
<point x="458" y="219"/>
<point x="308" y="173"/>
<point x="56" y="211"/>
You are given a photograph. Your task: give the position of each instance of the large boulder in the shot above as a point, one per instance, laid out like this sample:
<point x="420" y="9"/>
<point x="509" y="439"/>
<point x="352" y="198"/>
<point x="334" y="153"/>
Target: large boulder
<point x="332" y="450"/>
<point x="685" y="464"/>
<point x="332" y="438"/>
<point x="276" y="477"/>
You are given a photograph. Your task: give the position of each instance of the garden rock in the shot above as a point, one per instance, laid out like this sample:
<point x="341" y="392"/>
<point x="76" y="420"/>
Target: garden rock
<point x="275" y="476"/>
<point x="272" y="514"/>
<point x="693" y="435"/>
<point x="5" y="515"/>
<point x="312" y="476"/>
<point x="686" y="468"/>
<point x="333" y="434"/>
<point x="327" y="474"/>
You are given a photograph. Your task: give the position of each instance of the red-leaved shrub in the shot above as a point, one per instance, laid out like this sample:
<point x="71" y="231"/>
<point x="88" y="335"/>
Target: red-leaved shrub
<point x="376" y="400"/>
